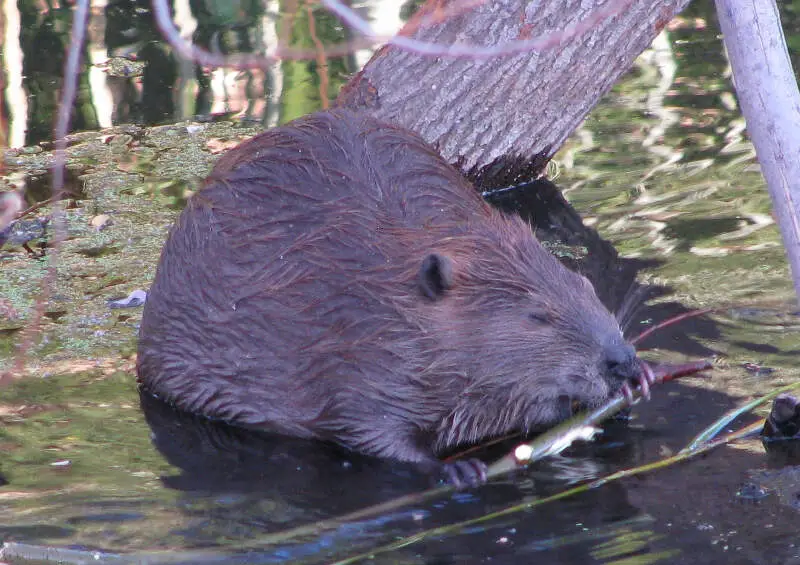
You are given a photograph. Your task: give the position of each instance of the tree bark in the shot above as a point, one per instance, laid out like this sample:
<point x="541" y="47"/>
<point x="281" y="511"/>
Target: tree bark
<point x="770" y="100"/>
<point x="506" y="115"/>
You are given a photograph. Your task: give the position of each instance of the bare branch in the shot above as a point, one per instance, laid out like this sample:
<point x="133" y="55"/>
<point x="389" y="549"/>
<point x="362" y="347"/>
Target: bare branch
<point x="69" y="89"/>
<point x="767" y="90"/>
<point x="474" y="50"/>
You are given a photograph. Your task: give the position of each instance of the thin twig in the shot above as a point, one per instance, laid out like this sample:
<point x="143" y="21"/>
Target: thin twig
<point x="322" y="60"/>
<point x="434" y="13"/>
<point x="673" y="320"/>
<point x="66" y="102"/>
<point x="370" y="38"/>
<point x="3" y="129"/>
<point x="473" y="50"/>
<point x="31" y="209"/>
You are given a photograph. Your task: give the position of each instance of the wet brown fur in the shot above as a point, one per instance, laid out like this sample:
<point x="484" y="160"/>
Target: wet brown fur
<point x="288" y="298"/>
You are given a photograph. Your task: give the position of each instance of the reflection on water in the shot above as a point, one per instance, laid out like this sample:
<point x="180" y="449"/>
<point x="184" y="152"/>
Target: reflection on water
<point x="662" y="168"/>
<point x="131" y="75"/>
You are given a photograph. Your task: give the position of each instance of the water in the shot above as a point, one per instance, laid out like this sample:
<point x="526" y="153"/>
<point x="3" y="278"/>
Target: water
<point x="661" y="168"/>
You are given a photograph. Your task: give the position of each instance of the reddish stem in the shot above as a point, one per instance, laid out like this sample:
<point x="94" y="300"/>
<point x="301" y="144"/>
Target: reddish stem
<point x="670" y="321"/>
<point x="665" y="372"/>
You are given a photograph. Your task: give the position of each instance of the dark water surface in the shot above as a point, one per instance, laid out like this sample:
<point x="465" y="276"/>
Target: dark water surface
<point x="661" y="168"/>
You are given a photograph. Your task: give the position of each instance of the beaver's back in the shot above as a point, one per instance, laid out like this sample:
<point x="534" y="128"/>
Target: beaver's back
<point x="335" y="278"/>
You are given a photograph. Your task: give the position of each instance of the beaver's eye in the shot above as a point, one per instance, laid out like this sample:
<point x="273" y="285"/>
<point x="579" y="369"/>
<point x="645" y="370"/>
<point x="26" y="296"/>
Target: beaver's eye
<point x="539" y="316"/>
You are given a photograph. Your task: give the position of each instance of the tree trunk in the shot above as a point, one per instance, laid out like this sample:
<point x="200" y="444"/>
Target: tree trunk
<point x="504" y="116"/>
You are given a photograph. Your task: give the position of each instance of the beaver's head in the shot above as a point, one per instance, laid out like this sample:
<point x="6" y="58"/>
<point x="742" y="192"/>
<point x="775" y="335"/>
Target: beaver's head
<point x="518" y="336"/>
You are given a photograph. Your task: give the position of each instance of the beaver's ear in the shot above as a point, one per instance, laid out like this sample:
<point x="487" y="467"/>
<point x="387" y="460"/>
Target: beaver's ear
<point x="435" y="275"/>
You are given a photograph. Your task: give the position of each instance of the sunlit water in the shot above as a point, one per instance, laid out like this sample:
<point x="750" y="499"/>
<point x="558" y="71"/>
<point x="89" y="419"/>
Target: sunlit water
<point x="662" y="168"/>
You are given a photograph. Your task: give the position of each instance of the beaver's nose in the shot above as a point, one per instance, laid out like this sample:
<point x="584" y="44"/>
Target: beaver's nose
<point x="621" y="362"/>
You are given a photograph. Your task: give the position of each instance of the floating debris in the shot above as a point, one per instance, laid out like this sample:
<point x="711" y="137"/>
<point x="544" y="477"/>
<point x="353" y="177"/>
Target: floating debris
<point x="133" y="300"/>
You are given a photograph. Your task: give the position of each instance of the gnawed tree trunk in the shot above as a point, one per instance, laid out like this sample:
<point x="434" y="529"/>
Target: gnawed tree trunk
<point x="505" y="116"/>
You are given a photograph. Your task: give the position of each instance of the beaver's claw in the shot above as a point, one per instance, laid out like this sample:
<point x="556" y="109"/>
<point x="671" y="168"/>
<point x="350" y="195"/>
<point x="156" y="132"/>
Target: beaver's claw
<point x="645" y="379"/>
<point x="465" y="472"/>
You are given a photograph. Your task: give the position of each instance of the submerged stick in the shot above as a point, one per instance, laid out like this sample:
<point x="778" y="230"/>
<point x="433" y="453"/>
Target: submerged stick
<point x="452" y="528"/>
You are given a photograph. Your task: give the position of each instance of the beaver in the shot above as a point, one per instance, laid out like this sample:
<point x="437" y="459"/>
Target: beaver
<point x="336" y="279"/>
